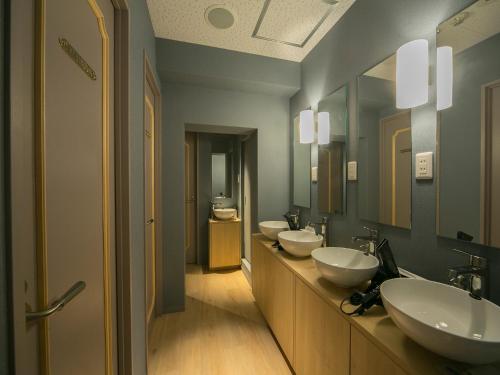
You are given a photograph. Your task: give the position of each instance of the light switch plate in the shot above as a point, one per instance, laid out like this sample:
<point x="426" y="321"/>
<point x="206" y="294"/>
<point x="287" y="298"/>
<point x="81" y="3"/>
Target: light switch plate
<point x="423" y="163"/>
<point x="352" y="171"/>
<point x="314" y="174"/>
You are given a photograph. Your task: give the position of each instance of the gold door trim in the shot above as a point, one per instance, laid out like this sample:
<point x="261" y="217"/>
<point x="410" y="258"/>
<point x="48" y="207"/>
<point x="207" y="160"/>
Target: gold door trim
<point x="152" y="277"/>
<point x="41" y="204"/>
<point x="395" y="136"/>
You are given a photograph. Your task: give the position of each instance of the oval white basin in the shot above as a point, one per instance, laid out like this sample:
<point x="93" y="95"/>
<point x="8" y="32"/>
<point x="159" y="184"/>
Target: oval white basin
<point x="300" y="242"/>
<point x="444" y="319"/>
<point x="225" y="213"/>
<point x="270" y="229"/>
<point x="345" y="267"/>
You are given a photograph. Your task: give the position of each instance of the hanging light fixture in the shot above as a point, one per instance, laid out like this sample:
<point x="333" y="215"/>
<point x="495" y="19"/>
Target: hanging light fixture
<point x="306" y="126"/>
<point x="444" y="77"/>
<point x="323" y="128"/>
<point x="412" y="74"/>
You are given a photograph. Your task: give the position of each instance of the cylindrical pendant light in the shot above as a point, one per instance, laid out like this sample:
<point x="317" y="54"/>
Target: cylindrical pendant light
<point x="444" y="77"/>
<point x="306" y="127"/>
<point x="323" y="128"/>
<point x="412" y="74"/>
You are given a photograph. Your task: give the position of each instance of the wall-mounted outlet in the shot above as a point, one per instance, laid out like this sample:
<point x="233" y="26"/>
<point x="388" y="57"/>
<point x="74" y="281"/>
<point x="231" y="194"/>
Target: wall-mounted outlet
<point x="423" y="162"/>
<point x="314" y="174"/>
<point x="352" y="171"/>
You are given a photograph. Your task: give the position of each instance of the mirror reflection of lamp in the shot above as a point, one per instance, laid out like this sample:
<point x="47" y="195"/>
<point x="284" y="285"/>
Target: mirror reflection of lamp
<point x="444" y="78"/>
<point x="323" y="128"/>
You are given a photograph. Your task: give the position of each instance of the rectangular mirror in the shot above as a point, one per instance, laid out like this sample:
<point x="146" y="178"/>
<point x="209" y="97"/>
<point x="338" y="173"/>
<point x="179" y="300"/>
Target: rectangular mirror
<point x="222" y="175"/>
<point x="468" y="204"/>
<point x="385" y="157"/>
<point x="332" y="157"/>
<point x="301" y="169"/>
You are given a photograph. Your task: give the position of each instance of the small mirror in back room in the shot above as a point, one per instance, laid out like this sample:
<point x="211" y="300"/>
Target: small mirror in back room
<point x="468" y="204"/>
<point x="332" y="155"/>
<point x="385" y="154"/>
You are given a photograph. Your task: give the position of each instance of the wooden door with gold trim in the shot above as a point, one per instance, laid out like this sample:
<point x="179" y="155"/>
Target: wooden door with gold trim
<point x="75" y="185"/>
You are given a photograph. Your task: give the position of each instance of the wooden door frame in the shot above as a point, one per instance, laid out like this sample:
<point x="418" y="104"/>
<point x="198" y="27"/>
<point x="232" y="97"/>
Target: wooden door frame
<point x="486" y="163"/>
<point x="149" y="79"/>
<point x="20" y="132"/>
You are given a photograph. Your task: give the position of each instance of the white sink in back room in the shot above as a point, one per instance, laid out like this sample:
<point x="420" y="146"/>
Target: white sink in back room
<point x="225" y="213"/>
<point x="343" y="266"/>
<point x="300" y="243"/>
<point x="444" y="319"/>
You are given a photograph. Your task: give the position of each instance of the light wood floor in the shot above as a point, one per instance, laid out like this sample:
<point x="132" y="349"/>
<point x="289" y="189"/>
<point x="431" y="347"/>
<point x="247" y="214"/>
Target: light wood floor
<point x="221" y="332"/>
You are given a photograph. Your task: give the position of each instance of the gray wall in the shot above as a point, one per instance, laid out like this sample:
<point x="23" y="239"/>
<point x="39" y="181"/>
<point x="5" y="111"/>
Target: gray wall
<point x="187" y="104"/>
<point x="460" y="139"/>
<point x="220" y="68"/>
<point x="141" y="41"/>
<point x="369" y="32"/>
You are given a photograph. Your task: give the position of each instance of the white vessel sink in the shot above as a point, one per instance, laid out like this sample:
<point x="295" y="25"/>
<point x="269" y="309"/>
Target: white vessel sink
<point x="270" y="229"/>
<point x="345" y="267"/>
<point x="225" y="213"/>
<point x="444" y="319"/>
<point x="300" y="242"/>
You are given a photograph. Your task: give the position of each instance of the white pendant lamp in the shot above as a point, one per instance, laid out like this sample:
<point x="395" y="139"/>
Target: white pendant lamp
<point x="412" y="74"/>
<point x="323" y="128"/>
<point x="306" y="126"/>
<point x="444" y="78"/>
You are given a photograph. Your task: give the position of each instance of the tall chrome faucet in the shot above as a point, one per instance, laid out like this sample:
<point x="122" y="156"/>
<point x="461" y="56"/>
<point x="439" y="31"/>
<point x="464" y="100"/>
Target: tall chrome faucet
<point x="471" y="277"/>
<point x="371" y="240"/>
<point x="323" y="226"/>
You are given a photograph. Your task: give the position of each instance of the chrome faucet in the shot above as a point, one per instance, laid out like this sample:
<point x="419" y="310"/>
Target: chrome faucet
<point x="293" y="219"/>
<point x="471" y="277"/>
<point x="371" y="240"/>
<point x="213" y="205"/>
<point x="322" y="225"/>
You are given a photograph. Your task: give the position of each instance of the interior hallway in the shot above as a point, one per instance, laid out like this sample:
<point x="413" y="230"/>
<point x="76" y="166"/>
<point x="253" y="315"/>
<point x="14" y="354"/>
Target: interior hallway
<point x="221" y="332"/>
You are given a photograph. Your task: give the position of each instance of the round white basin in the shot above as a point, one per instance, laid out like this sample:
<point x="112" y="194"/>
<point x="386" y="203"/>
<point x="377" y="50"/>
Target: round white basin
<point x="300" y="242"/>
<point x="270" y="229"/>
<point x="225" y="213"/>
<point x="345" y="267"/>
<point x="444" y="319"/>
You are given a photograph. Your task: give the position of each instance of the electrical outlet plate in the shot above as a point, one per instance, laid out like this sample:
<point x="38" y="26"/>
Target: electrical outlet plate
<point x="352" y="171"/>
<point x="423" y="166"/>
<point x="314" y="174"/>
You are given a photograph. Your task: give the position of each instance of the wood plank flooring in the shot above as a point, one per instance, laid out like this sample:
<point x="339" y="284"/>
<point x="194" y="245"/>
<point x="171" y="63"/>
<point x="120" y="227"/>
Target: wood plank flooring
<point x="221" y="332"/>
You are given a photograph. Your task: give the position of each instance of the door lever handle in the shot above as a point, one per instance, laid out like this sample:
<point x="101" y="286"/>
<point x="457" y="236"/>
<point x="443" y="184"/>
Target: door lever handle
<point x="58" y="305"/>
<point x="150" y="221"/>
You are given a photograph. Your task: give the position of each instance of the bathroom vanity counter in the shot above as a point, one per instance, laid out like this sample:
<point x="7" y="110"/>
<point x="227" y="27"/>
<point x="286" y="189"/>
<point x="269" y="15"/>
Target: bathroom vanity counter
<point x="375" y="344"/>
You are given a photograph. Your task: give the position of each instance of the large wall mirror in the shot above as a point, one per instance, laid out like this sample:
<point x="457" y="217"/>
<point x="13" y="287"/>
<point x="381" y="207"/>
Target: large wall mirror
<point x="222" y="175"/>
<point x="332" y="156"/>
<point x="469" y="130"/>
<point x="301" y="169"/>
<point x="385" y="157"/>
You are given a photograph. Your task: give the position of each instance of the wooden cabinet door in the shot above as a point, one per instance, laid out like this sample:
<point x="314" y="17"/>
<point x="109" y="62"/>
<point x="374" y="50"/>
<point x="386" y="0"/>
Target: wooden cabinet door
<point x="225" y="248"/>
<point x="368" y="359"/>
<point x="322" y="335"/>
<point x="280" y="295"/>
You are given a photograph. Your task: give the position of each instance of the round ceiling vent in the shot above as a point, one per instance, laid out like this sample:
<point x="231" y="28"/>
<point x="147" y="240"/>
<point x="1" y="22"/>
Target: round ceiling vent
<point x="219" y="17"/>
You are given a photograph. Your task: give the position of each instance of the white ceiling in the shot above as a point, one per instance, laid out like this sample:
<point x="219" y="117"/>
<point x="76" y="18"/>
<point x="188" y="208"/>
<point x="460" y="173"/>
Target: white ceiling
<point x="285" y="29"/>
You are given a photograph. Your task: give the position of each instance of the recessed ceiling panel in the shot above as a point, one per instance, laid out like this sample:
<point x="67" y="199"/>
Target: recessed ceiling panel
<point x="291" y="22"/>
<point x="285" y="29"/>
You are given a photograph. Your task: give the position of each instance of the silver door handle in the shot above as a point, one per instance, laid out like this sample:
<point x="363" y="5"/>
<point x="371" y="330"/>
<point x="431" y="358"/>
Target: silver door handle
<point x="58" y="305"/>
<point x="150" y="221"/>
